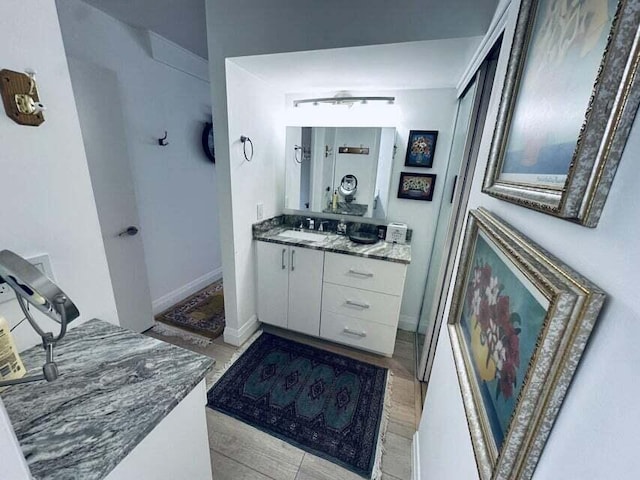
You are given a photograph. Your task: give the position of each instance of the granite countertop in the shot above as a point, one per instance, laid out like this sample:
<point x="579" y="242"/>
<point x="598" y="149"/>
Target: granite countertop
<point x="357" y="209"/>
<point x="333" y="242"/>
<point x="114" y="387"/>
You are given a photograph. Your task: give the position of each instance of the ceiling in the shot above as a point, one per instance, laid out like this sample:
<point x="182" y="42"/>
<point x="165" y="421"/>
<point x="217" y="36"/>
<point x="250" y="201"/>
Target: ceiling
<point x="426" y="64"/>
<point x="184" y="21"/>
<point x="181" y="21"/>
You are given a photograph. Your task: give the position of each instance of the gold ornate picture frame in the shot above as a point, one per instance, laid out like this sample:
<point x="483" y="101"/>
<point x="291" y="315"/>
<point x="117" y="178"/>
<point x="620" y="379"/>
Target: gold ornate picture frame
<point x="570" y="97"/>
<point x="519" y="322"/>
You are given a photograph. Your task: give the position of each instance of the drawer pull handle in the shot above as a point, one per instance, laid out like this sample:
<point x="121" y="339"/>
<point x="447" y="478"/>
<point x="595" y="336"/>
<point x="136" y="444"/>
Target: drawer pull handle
<point x="354" y="332"/>
<point x="284" y="252"/>
<point x="357" y="304"/>
<point x="364" y="274"/>
<point x="293" y="260"/>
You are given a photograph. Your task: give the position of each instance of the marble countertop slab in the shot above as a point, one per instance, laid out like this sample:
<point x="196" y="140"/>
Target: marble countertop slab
<point x="332" y="242"/>
<point x="114" y="387"/>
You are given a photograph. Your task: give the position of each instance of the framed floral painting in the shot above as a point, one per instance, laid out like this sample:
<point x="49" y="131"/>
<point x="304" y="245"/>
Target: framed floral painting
<point x="519" y="323"/>
<point x="570" y="97"/>
<point x="416" y="186"/>
<point x="421" y="148"/>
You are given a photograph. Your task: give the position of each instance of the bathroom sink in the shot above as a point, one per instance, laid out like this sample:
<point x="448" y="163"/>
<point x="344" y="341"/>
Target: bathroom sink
<point x="299" y="235"/>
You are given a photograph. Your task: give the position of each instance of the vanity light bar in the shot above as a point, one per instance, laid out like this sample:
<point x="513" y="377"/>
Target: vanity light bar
<point x="344" y="100"/>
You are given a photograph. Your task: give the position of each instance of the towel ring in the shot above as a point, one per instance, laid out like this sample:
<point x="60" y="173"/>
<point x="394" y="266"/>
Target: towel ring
<point x="244" y="141"/>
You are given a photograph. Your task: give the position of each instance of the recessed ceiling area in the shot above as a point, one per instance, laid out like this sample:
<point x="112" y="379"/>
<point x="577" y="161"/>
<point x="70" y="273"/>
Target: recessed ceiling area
<point x="181" y="21"/>
<point x="357" y="22"/>
<point x="411" y="65"/>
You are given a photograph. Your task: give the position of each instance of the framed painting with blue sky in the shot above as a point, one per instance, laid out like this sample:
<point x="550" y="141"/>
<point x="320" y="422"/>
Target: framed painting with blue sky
<point x="568" y="102"/>
<point x="518" y="324"/>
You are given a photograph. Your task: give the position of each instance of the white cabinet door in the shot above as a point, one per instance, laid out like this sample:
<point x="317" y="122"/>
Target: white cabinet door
<point x="273" y="283"/>
<point x="305" y="290"/>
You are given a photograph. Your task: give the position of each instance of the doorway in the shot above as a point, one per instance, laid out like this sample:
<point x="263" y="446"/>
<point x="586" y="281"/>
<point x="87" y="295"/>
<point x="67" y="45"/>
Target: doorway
<point x="144" y="107"/>
<point x="469" y="124"/>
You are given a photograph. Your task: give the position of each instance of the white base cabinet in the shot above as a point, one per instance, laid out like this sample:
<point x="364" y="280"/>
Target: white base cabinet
<point x="290" y="287"/>
<point x="344" y="298"/>
<point x="178" y="447"/>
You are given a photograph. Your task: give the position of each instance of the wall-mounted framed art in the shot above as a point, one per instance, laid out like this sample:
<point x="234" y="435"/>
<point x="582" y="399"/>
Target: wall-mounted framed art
<point x="519" y="323"/>
<point x="570" y="97"/>
<point x="416" y="186"/>
<point x="421" y="148"/>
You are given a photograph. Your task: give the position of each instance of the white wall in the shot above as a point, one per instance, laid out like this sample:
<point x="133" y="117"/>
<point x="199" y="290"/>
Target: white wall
<point x="595" y="434"/>
<point x="49" y="204"/>
<point x="293" y="169"/>
<point x="14" y="465"/>
<point x="255" y="110"/>
<point x="175" y="185"/>
<point x="421" y="110"/>
<point x="383" y="187"/>
<point x="44" y="179"/>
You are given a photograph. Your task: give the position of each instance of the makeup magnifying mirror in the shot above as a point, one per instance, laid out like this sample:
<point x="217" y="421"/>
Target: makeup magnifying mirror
<point x="32" y="287"/>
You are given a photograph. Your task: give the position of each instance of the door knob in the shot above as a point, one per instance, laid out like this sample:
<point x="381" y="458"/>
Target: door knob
<point x="130" y="231"/>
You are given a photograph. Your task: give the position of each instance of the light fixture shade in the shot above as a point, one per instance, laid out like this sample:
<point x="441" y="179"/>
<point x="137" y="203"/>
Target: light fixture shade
<point x="346" y="100"/>
<point x="35" y="287"/>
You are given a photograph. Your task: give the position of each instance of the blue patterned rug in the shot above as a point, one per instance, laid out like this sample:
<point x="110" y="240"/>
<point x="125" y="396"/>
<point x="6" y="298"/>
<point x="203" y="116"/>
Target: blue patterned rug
<point x="321" y="402"/>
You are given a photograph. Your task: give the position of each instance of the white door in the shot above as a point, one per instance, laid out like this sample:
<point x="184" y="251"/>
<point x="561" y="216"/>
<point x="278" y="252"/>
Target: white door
<point x="101" y="121"/>
<point x="305" y="290"/>
<point x="273" y="283"/>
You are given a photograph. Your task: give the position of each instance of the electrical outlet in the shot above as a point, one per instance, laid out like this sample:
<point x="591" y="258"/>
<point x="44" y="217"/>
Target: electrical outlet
<point x="6" y="293"/>
<point x="260" y="211"/>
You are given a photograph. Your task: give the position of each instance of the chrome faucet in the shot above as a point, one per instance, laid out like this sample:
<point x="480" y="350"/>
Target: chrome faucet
<point x="342" y="228"/>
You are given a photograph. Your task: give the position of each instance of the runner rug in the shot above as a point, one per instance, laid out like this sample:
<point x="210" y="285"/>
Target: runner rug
<point x="201" y="313"/>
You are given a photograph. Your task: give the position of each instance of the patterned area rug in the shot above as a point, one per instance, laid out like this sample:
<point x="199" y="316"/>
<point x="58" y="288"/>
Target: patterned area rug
<point x="201" y="313"/>
<point x="327" y="404"/>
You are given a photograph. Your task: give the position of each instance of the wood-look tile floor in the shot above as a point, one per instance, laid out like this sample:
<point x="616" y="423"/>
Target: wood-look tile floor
<point x="241" y="452"/>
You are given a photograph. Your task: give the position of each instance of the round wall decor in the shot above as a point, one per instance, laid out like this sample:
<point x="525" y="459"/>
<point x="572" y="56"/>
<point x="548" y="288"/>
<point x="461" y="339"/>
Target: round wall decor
<point x="207" y="142"/>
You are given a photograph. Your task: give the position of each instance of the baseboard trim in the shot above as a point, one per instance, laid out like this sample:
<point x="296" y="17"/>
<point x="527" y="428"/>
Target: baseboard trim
<point x="238" y="336"/>
<point x="161" y="304"/>
<point x="415" y="457"/>
<point x="408" y="322"/>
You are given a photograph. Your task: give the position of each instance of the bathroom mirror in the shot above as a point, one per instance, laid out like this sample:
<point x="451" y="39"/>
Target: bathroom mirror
<point x="352" y="164"/>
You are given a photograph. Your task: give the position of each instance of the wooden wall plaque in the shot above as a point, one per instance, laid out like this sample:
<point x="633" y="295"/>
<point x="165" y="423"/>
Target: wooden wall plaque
<point x="11" y="84"/>
<point x="354" y="150"/>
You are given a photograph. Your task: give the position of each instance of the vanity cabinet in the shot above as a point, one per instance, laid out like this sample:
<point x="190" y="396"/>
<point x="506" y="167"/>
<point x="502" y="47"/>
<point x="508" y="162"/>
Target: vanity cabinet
<point x="344" y="298"/>
<point x="290" y="287"/>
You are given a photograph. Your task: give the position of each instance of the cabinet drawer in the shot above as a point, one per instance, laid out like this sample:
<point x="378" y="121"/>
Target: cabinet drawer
<point x="358" y="333"/>
<point x="366" y="273"/>
<point x="365" y="304"/>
